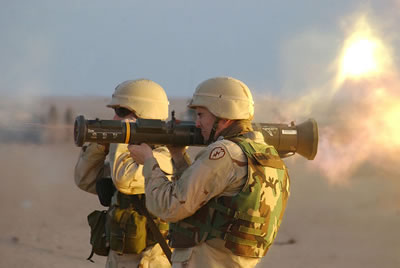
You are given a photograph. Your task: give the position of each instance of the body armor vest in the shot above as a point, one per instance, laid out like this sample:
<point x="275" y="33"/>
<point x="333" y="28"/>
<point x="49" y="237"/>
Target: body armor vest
<point x="248" y="222"/>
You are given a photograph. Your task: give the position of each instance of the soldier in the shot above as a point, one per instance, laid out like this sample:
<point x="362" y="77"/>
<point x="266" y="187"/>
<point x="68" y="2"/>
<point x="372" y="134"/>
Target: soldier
<point x="226" y="207"/>
<point x="130" y="244"/>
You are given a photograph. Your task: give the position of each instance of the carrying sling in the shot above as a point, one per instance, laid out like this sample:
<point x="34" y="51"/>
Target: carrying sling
<point x="153" y="227"/>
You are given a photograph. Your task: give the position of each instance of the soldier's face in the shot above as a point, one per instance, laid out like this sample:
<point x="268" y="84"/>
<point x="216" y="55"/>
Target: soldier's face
<point x="124" y="114"/>
<point x="129" y="118"/>
<point x="205" y="121"/>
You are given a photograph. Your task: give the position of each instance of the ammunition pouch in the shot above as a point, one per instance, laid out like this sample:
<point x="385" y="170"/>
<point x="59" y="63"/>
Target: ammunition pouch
<point x="98" y="233"/>
<point x="129" y="232"/>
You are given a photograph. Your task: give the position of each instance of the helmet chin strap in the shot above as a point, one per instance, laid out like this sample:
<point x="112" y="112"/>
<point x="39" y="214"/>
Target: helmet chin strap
<point x="213" y="130"/>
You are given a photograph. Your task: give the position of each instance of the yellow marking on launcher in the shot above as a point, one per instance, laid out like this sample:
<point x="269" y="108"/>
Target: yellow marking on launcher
<point x="128" y="131"/>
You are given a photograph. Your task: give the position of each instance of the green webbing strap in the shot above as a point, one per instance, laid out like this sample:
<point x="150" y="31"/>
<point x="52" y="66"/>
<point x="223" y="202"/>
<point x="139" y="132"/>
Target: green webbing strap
<point x="182" y="230"/>
<point x="153" y="227"/>
<point x="243" y="229"/>
<point x="247" y="217"/>
<point x="227" y="236"/>
<point x="162" y="226"/>
<point x="217" y="233"/>
<point x="241" y="241"/>
<point x="248" y="230"/>
<point x="124" y="220"/>
<point x="236" y="214"/>
<point x="185" y="227"/>
<point x="125" y="201"/>
<point x="90" y="256"/>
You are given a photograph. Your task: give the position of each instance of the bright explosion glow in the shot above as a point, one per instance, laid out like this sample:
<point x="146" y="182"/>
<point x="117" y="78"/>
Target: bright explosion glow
<point x="363" y="54"/>
<point x="360" y="58"/>
<point x="368" y="107"/>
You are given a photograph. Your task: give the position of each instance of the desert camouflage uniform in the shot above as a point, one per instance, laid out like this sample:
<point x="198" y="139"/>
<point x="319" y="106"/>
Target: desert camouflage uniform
<point x="218" y="170"/>
<point x="128" y="179"/>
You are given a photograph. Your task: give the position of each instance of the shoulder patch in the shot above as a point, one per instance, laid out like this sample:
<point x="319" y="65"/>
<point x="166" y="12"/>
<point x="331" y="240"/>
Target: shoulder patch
<point x="217" y="153"/>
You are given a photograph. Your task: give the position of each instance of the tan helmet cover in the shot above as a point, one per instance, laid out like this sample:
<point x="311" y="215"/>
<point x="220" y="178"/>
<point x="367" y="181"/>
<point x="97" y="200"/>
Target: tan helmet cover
<point x="224" y="97"/>
<point x="145" y="97"/>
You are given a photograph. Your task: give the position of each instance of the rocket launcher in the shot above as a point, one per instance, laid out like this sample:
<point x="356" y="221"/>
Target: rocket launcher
<point x="287" y="139"/>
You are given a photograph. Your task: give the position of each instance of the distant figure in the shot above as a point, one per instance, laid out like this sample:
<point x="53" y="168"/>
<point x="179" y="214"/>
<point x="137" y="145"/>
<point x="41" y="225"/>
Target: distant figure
<point x="52" y="121"/>
<point x="52" y="116"/>
<point x="69" y="116"/>
<point x="130" y="241"/>
<point x="69" y="121"/>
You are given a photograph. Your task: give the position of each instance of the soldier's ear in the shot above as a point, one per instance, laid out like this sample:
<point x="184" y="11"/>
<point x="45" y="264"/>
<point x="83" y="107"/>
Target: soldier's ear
<point x="224" y="123"/>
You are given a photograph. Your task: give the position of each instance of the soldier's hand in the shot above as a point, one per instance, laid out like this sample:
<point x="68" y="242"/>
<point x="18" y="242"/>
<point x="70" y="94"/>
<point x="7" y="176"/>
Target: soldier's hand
<point x="177" y="154"/>
<point x="140" y="153"/>
<point x="177" y="151"/>
<point x="106" y="147"/>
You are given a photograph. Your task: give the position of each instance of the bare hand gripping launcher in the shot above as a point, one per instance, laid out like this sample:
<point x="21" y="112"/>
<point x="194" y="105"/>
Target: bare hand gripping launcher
<point x="287" y="139"/>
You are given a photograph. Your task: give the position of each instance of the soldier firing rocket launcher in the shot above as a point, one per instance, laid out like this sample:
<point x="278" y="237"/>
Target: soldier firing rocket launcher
<point x="287" y="139"/>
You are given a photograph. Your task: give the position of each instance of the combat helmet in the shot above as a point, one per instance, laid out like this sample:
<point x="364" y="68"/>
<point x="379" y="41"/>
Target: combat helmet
<point x="144" y="97"/>
<point x="224" y="97"/>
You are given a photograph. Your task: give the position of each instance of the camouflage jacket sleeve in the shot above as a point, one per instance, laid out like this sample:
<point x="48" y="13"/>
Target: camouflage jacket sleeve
<point x="127" y="174"/>
<point x="90" y="164"/>
<point x="219" y="169"/>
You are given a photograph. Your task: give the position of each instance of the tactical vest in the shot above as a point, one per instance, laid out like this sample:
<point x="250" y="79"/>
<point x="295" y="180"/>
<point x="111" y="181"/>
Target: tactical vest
<point x="249" y="221"/>
<point x="129" y="232"/>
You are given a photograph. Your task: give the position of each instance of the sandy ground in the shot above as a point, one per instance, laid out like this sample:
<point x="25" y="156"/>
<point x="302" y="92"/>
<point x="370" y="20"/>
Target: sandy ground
<point x="43" y="221"/>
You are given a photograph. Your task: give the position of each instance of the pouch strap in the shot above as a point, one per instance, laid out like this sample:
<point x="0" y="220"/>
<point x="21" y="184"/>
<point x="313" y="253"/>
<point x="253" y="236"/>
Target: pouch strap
<point x="153" y="227"/>
<point x="90" y="256"/>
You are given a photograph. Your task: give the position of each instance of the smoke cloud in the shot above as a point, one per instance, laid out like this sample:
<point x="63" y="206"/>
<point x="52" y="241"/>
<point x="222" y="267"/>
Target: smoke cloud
<point x="356" y="104"/>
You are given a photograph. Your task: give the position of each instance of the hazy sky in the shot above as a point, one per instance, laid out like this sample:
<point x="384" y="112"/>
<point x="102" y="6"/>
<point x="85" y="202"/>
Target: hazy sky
<point x="86" y="47"/>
